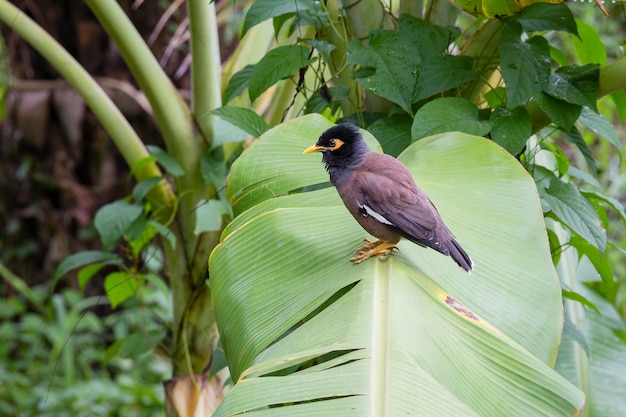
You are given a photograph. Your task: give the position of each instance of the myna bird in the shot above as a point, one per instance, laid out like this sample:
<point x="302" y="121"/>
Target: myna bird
<point x="381" y="194"/>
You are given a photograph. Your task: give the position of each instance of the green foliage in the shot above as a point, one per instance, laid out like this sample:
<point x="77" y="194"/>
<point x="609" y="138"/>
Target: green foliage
<point x="401" y="67"/>
<point x="511" y="128"/>
<point x="80" y="259"/>
<point x="210" y="215"/>
<point x="561" y="112"/>
<point x="540" y="17"/>
<point x="599" y="124"/>
<point x="413" y="87"/>
<point x="393" y="133"/>
<point x="120" y="286"/>
<point x="277" y="64"/>
<point x="141" y="189"/>
<point x="501" y="8"/>
<point x="575" y="85"/>
<point x="116" y="219"/>
<point x="603" y="370"/>
<point x="525" y="65"/>
<point x="589" y="46"/>
<point x="267" y="9"/>
<point x="409" y="79"/>
<point x="167" y="161"/>
<point x="130" y="223"/>
<point x="52" y="362"/>
<point x="574" y="210"/>
<point x="244" y="118"/>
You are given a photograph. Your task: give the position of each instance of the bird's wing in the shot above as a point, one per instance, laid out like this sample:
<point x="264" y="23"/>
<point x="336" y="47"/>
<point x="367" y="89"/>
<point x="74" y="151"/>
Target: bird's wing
<point x="390" y="196"/>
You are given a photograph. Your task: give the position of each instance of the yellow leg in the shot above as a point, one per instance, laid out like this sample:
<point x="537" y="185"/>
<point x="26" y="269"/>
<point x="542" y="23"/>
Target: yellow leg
<point x="378" y="248"/>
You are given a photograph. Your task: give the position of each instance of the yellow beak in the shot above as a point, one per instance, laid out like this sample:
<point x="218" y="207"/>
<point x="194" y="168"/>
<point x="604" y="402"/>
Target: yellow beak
<point x="314" y="148"/>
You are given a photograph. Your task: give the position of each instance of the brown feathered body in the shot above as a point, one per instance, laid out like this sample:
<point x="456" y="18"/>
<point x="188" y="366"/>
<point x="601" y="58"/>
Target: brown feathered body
<point x="379" y="191"/>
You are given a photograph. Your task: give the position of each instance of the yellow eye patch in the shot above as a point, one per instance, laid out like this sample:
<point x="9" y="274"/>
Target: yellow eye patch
<point x="335" y="144"/>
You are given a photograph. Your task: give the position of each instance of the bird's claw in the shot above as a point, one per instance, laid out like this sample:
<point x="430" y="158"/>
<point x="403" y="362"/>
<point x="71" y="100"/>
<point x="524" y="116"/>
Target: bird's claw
<point x="369" y="245"/>
<point x="370" y="249"/>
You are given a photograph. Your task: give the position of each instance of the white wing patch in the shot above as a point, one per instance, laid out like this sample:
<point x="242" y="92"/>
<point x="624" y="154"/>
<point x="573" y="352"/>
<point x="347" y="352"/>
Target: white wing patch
<point x="367" y="211"/>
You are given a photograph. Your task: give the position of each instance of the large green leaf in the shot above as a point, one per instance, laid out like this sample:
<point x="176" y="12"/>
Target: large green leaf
<point x="601" y="125"/>
<point x="310" y="334"/>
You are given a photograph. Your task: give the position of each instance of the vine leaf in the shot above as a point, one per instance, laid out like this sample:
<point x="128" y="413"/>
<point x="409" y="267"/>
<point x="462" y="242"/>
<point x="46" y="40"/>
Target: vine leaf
<point x="409" y="64"/>
<point x="262" y="10"/>
<point x="277" y="64"/>
<point x="242" y="117"/>
<point x="575" y="84"/>
<point x="511" y="128"/>
<point x="525" y="64"/>
<point x="541" y="17"/>
<point x="575" y="211"/>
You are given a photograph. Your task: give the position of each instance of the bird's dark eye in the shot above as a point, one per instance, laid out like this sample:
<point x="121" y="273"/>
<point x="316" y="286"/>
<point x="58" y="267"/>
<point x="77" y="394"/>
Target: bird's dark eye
<point x="332" y="143"/>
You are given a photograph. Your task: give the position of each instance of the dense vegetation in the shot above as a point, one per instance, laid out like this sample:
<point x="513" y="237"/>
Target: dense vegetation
<point x="541" y="320"/>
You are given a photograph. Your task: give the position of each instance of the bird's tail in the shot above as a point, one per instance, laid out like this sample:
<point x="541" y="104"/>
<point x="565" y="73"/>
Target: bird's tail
<point x="460" y="256"/>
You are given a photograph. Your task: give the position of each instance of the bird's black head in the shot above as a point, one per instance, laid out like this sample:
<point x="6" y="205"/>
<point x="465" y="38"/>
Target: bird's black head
<point x="341" y="145"/>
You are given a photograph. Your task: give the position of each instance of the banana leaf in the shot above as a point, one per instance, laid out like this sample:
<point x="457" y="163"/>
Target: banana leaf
<point x="306" y="333"/>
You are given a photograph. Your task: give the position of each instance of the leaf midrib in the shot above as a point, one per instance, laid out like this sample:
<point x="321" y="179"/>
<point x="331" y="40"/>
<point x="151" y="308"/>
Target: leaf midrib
<point x="380" y="329"/>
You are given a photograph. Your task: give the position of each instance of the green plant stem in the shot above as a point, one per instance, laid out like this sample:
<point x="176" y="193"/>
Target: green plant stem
<point x="412" y="7"/>
<point x="366" y="15"/>
<point x="483" y="47"/>
<point x="353" y="20"/>
<point x="363" y="17"/>
<point x="337" y="34"/>
<point x="281" y="99"/>
<point x="198" y="321"/>
<point x="185" y="269"/>
<point x="125" y="138"/>
<point x="441" y="12"/>
<point x="612" y="78"/>
<point x="206" y="67"/>
<point x="381" y="319"/>
<point x="170" y="111"/>
<point x="206" y="73"/>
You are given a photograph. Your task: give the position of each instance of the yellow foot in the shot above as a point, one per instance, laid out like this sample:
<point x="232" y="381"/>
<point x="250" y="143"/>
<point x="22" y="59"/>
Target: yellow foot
<point x="369" y="244"/>
<point x="378" y="248"/>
